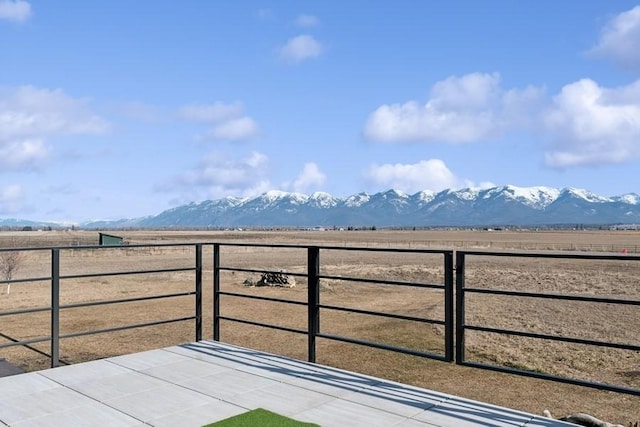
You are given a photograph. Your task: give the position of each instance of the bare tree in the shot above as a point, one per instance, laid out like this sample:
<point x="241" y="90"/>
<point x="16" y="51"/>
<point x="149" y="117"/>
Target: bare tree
<point x="9" y="263"/>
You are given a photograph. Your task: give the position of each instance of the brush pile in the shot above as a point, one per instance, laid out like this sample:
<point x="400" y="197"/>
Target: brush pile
<point x="276" y="279"/>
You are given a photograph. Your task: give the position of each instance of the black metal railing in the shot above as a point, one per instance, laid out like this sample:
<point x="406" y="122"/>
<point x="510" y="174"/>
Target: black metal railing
<point x="456" y="294"/>
<point x="315" y="306"/>
<point x="55" y="307"/>
<point x="464" y="294"/>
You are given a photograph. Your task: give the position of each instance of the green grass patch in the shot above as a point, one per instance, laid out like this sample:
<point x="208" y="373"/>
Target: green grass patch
<point x="260" y="417"/>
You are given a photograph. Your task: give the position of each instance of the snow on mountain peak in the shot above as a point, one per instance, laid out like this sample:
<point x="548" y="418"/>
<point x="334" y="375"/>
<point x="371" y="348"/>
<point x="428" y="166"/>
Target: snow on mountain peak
<point x="631" y="198"/>
<point x="357" y="200"/>
<point x="397" y="193"/>
<point x="425" y="196"/>
<point x="466" y="193"/>
<point x="234" y="200"/>
<point x="535" y="197"/>
<point x="586" y="195"/>
<point x="322" y="199"/>
<point x="321" y="195"/>
<point x="276" y="195"/>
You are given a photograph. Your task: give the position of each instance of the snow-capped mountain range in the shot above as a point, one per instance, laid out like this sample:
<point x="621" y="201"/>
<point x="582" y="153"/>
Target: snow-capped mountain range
<point x="498" y="206"/>
<point x="506" y="205"/>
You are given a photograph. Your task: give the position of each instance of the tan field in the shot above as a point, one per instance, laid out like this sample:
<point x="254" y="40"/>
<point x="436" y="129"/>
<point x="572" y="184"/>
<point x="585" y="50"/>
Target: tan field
<point x="614" y="279"/>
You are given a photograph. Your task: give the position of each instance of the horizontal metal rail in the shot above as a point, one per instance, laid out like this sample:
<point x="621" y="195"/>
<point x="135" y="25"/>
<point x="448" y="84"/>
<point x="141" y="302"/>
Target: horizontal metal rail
<point x="103" y="274"/>
<point x="553" y="337"/>
<point x="21" y="249"/>
<point x="328" y="247"/>
<point x="24" y="311"/>
<point x="260" y="245"/>
<point x="125" y="327"/>
<point x="553" y="296"/>
<point x="382" y="314"/>
<point x="264" y="325"/>
<point x="31" y="279"/>
<point x="261" y="298"/>
<point x="381" y="346"/>
<point x="393" y="250"/>
<point x="555" y="255"/>
<point x="125" y="300"/>
<point x="25" y="342"/>
<point x="27" y="346"/>
<point x="382" y="281"/>
<point x="119" y="248"/>
<point x="126" y="273"/>
<point x="556" y="378"/>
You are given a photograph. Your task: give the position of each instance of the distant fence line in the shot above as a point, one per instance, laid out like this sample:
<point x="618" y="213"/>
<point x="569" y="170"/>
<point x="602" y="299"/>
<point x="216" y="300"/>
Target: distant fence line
<point x="48" y="240"/>
<point x="502" y="245"/>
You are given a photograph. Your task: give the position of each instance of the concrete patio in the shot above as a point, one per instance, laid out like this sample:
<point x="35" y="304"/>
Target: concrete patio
<point x="199" y="383"/>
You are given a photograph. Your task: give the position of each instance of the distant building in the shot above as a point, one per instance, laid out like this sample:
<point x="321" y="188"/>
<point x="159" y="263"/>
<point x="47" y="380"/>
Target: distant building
<point x="110" y="240"/>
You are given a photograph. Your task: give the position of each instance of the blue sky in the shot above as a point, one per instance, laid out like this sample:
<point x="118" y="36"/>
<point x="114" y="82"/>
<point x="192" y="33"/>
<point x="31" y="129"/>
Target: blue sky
<point x="124" y="109"/>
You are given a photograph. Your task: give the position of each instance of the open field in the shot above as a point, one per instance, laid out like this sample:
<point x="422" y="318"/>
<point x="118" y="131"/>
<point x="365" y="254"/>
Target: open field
<point x="618" y="279"/>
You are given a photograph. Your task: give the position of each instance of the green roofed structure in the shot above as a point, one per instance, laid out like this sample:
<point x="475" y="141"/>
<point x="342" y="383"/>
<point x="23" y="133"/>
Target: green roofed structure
<point x="110" y="240"/>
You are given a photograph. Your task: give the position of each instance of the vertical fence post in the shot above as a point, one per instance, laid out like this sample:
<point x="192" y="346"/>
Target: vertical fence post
<point x="216" y="291"/>
<point x="460" y="260"/>
<point x="449" y="308"/>
<point x="199" y="292"/>
<point x="313" y="299"/>
<point x="55" y="307"/>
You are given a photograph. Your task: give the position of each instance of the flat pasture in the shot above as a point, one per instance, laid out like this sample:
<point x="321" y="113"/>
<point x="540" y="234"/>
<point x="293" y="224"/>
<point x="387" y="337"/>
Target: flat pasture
<point x="605" y="278"/>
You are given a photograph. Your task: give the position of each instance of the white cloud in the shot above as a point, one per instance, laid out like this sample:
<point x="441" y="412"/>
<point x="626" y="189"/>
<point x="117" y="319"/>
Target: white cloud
<point x="589" y="125"/>
<point x="300" y="48"/>
<point x="474" y="91"/>
<point x="585" y="124"/>
<point x="307" y="21"/>
<point x="619" y="40"/>
<point x="256" y="160"/>
<point x="23" y="154"/>
<point x="220" y="176"/>
<point x="311" y="177"/>
<point x="29" y="116"/>
<point x="432" y="174"/>
<point x="228" y="120"/>
<point x="29" y="111"/>
<point x="11" y="199"/>
<point x="240" y="129"/>
<point x="460" y="109"/>
<point x="17" y="10"/>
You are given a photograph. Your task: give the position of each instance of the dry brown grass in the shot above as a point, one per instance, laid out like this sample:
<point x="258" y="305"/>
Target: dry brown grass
<point x="584" y="320"/>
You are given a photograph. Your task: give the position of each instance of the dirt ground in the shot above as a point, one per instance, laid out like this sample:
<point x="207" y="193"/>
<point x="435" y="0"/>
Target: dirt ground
<point x="613" y="279"/>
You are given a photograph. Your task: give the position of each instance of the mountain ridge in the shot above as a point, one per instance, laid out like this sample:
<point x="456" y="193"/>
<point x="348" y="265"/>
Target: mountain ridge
<point x="506" y="205"/>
